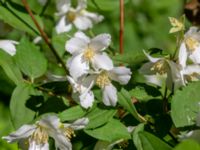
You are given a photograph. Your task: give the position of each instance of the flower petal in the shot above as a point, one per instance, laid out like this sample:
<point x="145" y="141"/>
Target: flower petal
<point x="190" y="69"/>
<point x="63" y="6"/>
<point x="62" y="142"/>
<point x="34" y="146"/>
<point x="86" y="99"/>
<point x="102" y="61"/>
<point x="155" y="79"/>
<point x="100" y="42"/>
<point x="110" y="95"/>
<point x="146" y="69"/>
<point x="78" y="124"/>
<point x="93" y="16"/>
<point x="8" y="46"/>
<point x="82" y="23"/>
<point x="151" y="59"/>
<point x="63" y="25"/>
<point x="174" y="76"/>
<point x="50" y="122"/>
<point x="23" y="132"/>
<point x="74" y="84"/>
<point x="120" y="74"/>
<point x="77" y="66"/>
<point x="82" y="4"/>
<point x="76" y="45"/>
<point x="182" y="56"/>
<point x="82" y="36"/>
<point x="195" y="56"/>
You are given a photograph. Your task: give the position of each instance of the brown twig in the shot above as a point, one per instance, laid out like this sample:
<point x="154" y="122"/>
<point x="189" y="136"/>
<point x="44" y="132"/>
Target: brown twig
<point x="44" y="35"/>
<point x="121" y="32"/>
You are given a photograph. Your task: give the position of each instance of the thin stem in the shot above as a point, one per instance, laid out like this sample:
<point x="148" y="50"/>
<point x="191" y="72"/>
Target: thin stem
<point x="165" y="101"/>
<point x="44" y="35"/>
<point x="121" y="32"/>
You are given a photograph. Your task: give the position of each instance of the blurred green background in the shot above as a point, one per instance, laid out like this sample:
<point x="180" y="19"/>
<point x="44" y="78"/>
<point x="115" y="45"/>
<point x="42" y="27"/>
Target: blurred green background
<point x="146" y="26"/>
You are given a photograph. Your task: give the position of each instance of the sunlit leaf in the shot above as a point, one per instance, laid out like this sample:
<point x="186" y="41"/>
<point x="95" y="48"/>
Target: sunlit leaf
<point x="185" y="105"/>
<point x="112" y="131"/>
<point x="30" y="60"/>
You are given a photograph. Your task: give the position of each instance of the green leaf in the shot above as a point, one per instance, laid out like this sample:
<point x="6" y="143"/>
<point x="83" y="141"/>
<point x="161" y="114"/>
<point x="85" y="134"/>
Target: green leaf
<point x="132" y="59"/>
<point x="112" y="131"/>
<point x="14" y="15"/>
<point x="72" y="113"/>
<point x="185" y="105"/>
<point x="19" y="112"/>
<point x="30" y="60"/>
<point x="99" y="116"/>
<point x="10" y="68"/>
<point x="136" y="139"/>
<point x="151" y="142"/>
<point x="124" y="99"/>
<point x="106" y="5"/>
<point x="144" y="93"/>
<point x="59" y="41"/>
<point x="188" y="145"/>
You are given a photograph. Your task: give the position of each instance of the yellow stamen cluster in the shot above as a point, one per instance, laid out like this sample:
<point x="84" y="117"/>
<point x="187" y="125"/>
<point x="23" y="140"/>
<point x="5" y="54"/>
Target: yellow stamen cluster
<point x="40" y="136"/>
<point x="160" y="67"/>
<point x="69" y="133"/>
<point x="71" y="16"/>
<point x="103" y="79"/>
<point x="192" y="77"/>
<point x="89" y="54"/>
<point x="191" y="44"/>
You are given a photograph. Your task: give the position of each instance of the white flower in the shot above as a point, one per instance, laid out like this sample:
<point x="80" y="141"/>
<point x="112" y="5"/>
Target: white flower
<point x="82" y="87"/>
<point x="190" y="47"/>
<point x="191" y="73"/>
<point x="103" y="80"/>
<point x="8" y="46"/>
<point x="86" y="51"/>
<point x="160" y="69"/>
<point x="78" y="16"/>
<point x="36" y="136"/>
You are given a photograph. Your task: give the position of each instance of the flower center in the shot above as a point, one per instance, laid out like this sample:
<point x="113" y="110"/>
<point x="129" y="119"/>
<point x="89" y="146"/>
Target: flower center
<point x="71" y="16"/>
<point x="102" y="79"/>
<point x="192" y="77"/>
<point x="191" y="44"/>
<point x="69" y="133"/>
<point x="89" y="53"/>
<point x="160" y="67"/>
<point x="40" y="136"/>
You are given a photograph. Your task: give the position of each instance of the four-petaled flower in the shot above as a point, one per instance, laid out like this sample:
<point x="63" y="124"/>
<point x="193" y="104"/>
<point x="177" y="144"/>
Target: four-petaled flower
<point x="160" y="69"/>
<point x="86" y="52"/>
<point x="78" y="16"/>
<point x="103" y="80"/>
<point x="36" y="136"/>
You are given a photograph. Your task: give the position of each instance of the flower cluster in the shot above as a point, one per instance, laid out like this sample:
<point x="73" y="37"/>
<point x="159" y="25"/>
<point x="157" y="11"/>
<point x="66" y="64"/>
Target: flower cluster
<point x="90" y="65"/>
<point x="176" y="73"/>
<point x="36" y="136"/>
<point x="79" y="16"/>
